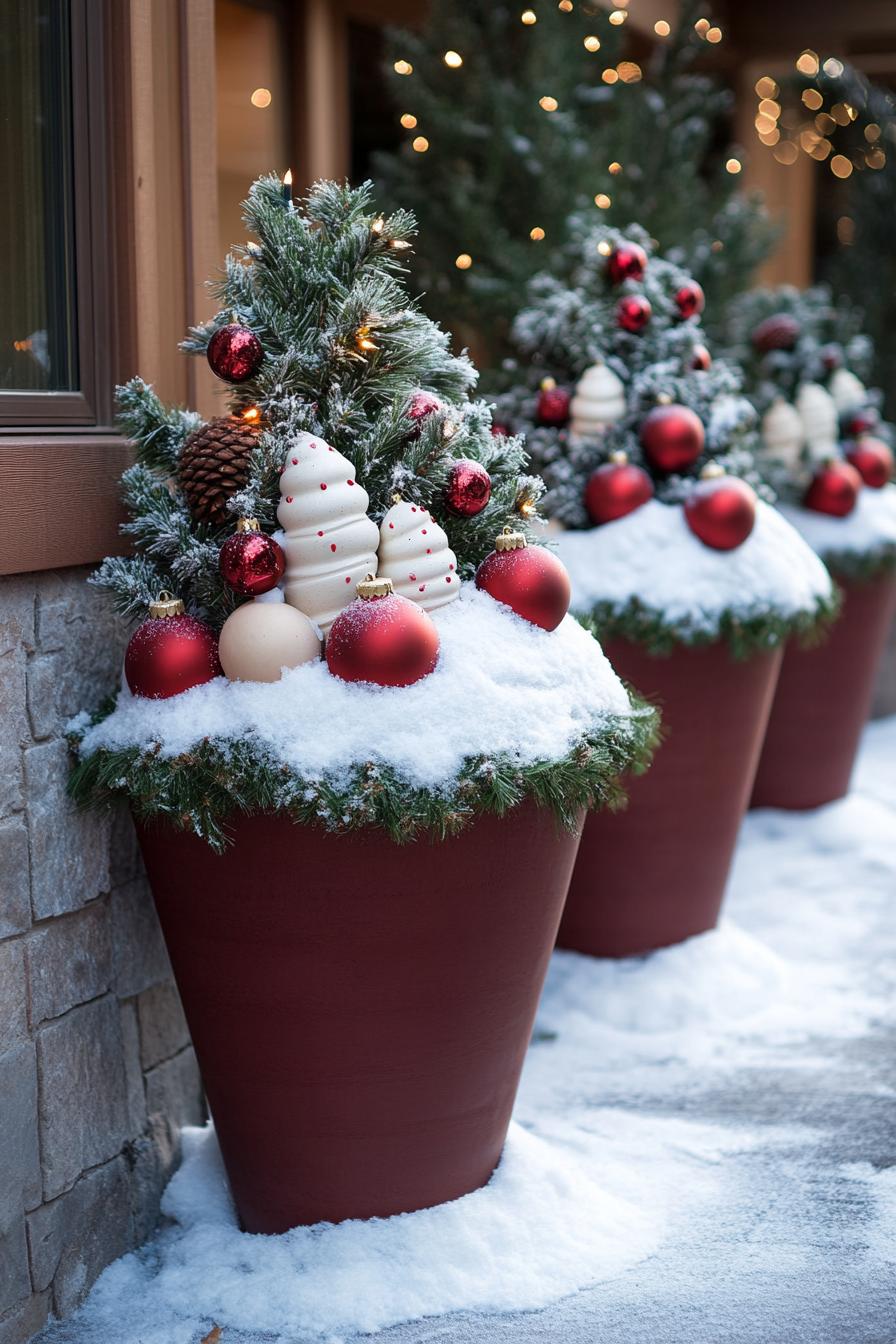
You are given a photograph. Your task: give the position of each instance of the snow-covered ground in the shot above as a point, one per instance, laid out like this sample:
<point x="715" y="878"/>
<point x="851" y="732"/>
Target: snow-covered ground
<point x="704" y="1148"/>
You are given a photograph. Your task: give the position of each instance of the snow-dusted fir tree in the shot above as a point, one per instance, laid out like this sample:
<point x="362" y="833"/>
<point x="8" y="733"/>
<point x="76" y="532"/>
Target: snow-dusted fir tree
<point x="517" y="116"/>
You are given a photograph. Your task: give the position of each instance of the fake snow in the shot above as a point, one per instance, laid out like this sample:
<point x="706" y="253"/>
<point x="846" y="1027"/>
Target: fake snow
<point x="701" y="1148"/>
<point x="652" y="557"/>
<point x="870" y="527"/>
<point x="495" y="673"/>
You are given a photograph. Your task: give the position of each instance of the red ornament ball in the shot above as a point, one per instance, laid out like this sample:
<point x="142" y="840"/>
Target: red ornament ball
<point x="831" y="356"/>
<point x="633" y="312"/>
<point x="552" y="407"/>
<point x="672" y="437"/>
<point x="170" y="652"/>
<point x="834" y="489"/>
<point x="721" y="511"/>
<point x="420" y="407"/>
<point x="250" y="561"/>
<point x="500" y="431"/>
<point x="234" y="353"/>
<point x="528" y="579"/>
<point x="859" y="422"/>
<point x="873" y="460"/>
<point x="701" y="359"/>
<point x="469" y="488"/>
<point x="689" y="300"/>
<point x="382" y="638"/>
<point x="628" y="261"/>
<point x="778" y="332"/>
<point x="615" y="489"/>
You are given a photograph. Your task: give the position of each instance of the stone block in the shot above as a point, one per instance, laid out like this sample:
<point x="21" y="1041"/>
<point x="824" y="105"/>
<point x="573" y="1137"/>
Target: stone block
<point x="15" y="1281"/>
<point x="17" y="603"/>
<point x="163" y="1027"/>
<point x="130" y="1038"/>
<point x="13" y="996"/>
<point x="20" y="1179"/>
<point x="42" y="681"/>
<point x="73" y="1238"/>
<point x="124" y="853"/>
<point x="15" y="891"/>
<point x="152" y="1159"/>
<point x="69" y="962"/>
<point x="79" y="622"/>
<point x="138" y="947"/>
<point x="69" y="849"/>
<point x="25" y="1321"/>
<point x="13" y="729"/>
<point x="174" y="1089"/>
<point x="83" y="1103"/>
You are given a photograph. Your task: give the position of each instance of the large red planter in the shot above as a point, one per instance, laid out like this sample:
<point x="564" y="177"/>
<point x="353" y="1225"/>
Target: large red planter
<point x="655" y="873"/>
<point x="823" y="700"/>
<point x="360" y="1009"/>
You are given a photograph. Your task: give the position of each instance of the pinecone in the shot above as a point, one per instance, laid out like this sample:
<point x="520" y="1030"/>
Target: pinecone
<point x="778" y="332"/>
<point x="214" y="465"/>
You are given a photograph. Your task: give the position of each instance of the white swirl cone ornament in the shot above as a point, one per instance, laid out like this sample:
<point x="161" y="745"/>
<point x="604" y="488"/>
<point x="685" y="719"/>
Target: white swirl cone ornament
<point x="847" y="390"/>
<point x="415" y="555"/>
<point x="820" y="421"/>
<point x="782" y="432"/>
<point x="329" y="541"/>
<point x="598" y="403"/>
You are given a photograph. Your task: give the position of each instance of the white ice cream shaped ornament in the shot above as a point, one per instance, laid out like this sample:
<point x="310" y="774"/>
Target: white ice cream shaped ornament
<point x="598" y="403"/>
<point x="819" y="416"/>
<point x="847" y="390"/>
<point x="415" y="555"/>
<point x="782" y="432"/>
<point x="330" y="543"/>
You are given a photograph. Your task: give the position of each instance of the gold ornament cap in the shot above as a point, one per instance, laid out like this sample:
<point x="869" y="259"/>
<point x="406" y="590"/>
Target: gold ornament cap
<point x="508" y="540"/>
<point x="712" y="471"/>
<point x="374" y="587"/>
<point x="165" y="605"/>
<point x="619" y="457"/>
<point x="247" y="525"/>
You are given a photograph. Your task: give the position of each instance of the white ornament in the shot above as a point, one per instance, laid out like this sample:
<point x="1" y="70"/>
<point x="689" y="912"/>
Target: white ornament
<point x="847" y="390"/>
<point x="259" y="639"/>
<point x="782" y="432"/>
<point x="415" y="555"/>
<point x="820" y="422"/>
<point x="598" y="403"/>
<point x="329" y="541"/>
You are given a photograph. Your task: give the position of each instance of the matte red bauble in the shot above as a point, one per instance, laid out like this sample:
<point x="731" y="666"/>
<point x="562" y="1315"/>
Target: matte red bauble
<point x="615" y="489"/>
<point x="633" y="313"/>
<point x="721" y="510"/>
<point x="689" y="300"/>
<point x="834" y="489"/>
<point x="234" y="353"/>
<point x="500" y="431"/>
<point x="170" y="652"/>
<point x="382" y="638"/>
<point x="873" y="460"/>
<point x="672" y="437"/>
<point x="250" y="561"/>
<point x="628" y="261"/>
<point x="528" y="579"/>
<point x="469" y="488"/>
<point x="552" y="407"/>
<point x="702" y="359"/>
<point x="420" y="407"/>
<point x="864" y="421"/>
<point x="778" y="332"/>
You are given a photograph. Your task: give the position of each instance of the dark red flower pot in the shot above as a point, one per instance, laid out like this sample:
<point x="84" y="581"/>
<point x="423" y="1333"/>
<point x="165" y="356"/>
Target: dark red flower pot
<point x="360" y="1009"/>
<point x="655" y="873"/>
<point x="823" y="701"/>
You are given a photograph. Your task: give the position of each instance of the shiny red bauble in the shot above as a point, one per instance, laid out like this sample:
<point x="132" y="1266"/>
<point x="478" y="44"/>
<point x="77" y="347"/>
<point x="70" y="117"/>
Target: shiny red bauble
<point x="862" y="421"/>
<point x="616" y="488"/>
<point x="778" y="332"/>
<point x="721" y="511"/>
<point x="628" y="261"/>
<point x="672" y="437"/>
<point x="633" y="312"/>
<point x="170" y="652"/>
<point x="528" y="579"/>
<point x="689" y="299"/>
<point x="701" y="359"/>
<point x="500" y="431"/>
<point x="382" y="638"/>
<point x="234" y="353"/>
<point x="468" y="489"/>
<point x="420" y="407"/>
<point x="552" y="406"/>
<point x="834" y="489"/>
<point x="251" y="562"/>
<point x="873" y="460"/>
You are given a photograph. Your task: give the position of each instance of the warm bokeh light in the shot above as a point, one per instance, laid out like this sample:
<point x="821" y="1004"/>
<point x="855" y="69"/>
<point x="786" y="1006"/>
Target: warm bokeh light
<point x="733" y="166"/>
<point x="453" y="60"/>
<point x="841" y="166"/>
<point x="807" y="63"/>
<point x="769" y="108"/>
<point x="261" y="98"/>
<point x="548" y="104"/>
<point x="872" y="132"/>
<point x="408" y="121"/>
<point x="662" y="28"/>
<point x="615" y="168"/>
<point x="628" y="72"/>
<point x="604" y="248"/>
<point x="463" y="263"/>
<point x="812" y="99"/>
<point x="528" y="17"/>
<point x="591" y="43"/>
<point x="714" y="35"/>
<point x="602" y="201"/>
<point x="536" y="234"/>
<point x="766" y="87"/>
<point x="832" y="67"/>
<point x="846" y="231"/>
<point x="609" y="76"/>
<point x="618" y="16"/>
<point x="876" y="158"/>
<point x="403" y="68"/>
<point x="702" y="26"/>
<point x="420" y="144"/>
<point x="565" y="5"/>
<point x="786" y="152"/>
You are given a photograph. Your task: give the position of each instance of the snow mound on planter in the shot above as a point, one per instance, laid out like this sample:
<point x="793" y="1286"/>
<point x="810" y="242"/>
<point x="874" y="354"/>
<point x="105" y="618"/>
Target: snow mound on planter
<point x="651" y="557"/>
<point x="870" y="527"/>
<point x="541" y="1228"/>
<point x="502" y="687"/>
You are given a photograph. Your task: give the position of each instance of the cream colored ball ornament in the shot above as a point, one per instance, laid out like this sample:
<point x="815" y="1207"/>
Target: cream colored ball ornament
<point x="415" y="555"/>
<point x="847" y="390"/>
<point x="260" y="639"/>
<point x="820" y="421"/>
<point x="598" y="403"/>
<point x="329" y="541"/>
<point x="782" y="432"/>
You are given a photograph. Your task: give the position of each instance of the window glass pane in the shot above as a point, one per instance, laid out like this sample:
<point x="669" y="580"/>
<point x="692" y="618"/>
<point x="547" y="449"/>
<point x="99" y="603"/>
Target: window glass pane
<point x="37" y="307"/>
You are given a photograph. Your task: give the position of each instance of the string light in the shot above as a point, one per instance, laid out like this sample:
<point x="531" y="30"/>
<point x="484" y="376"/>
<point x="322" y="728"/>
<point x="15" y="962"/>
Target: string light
<point x="662" y="28"/>
<point x="420" y="144"/>
<point x="536" y="234"/>
<point x="812" y="99"/>
<point x="604" y="248"/>
<point x="463" y="262"/>
<point x="766" y="87"/>
<point x="251" y="415"/>
<point x="807" y="63"/>
<point x="260" y="98"/>
<point x="528" y="17"/>
<point x="400" y="245"/>
<point x="363" y="339"/>
<point x="733" y="166"/>
<point x="840" y="166"/>
<point x="403" y="68"/>
<point x="714" y="35"/>
<point x="615" y="168"/>
<point x="548" y="103"/>
<point x="602" y="201"/>
<point x="565" y="6"/>
<point x="833" y="67"/>
<point x="609" y="76"/>
<point x="453" y="60"/>
<point x="618" y="16"/>
<point x="408" y="121"/>
<point x="702" y="26"/>
<point x="286" y="189"/>
<point x="591" y="43"/>
<point x="378" y="225"/>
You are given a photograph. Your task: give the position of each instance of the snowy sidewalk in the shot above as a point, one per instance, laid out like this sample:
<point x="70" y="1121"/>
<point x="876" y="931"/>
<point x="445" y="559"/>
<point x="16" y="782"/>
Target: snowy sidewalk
<point x="704" y="1149"/>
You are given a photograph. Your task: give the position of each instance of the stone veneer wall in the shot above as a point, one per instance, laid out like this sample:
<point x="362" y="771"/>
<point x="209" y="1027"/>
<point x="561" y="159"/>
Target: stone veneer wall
<point x="96" y="1069"/>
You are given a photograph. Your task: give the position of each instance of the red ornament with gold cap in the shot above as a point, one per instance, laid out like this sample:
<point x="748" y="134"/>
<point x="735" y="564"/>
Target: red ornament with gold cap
<point x="251" y="562"/>
<point x="721" y="509"/>
<point x="834" y="490"/>
<point x="552" y="406"/>
<point x="689" y="300"/>
<point x="616" y="488"/>
<point x="633" y="313"/>
<point x="468" y="488"/>
<point x="627" y="261"/>
<point x="672" y="437"/>
<point x="170" y="651"/>
<point x="382" y="638"/>
<point x="234" y="353"/>
<point x="528" y="579"/>
<point x="873" y="460"/>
